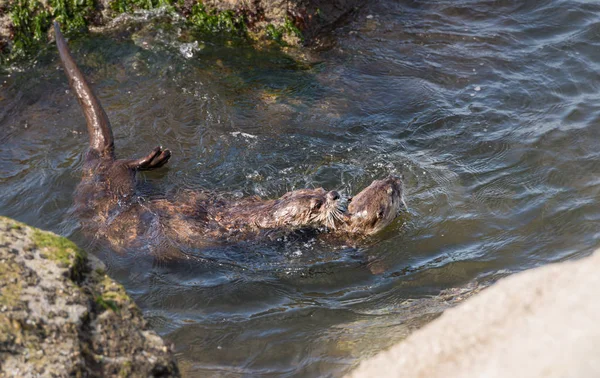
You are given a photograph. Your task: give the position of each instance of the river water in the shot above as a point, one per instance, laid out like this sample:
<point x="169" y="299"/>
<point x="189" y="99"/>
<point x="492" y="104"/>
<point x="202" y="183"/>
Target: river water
<point x="490" y="110"/>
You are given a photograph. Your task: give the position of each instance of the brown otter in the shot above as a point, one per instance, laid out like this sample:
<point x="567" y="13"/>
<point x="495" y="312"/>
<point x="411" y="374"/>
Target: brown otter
<point x="374" y="207"/>
<point x="109" y="207"/>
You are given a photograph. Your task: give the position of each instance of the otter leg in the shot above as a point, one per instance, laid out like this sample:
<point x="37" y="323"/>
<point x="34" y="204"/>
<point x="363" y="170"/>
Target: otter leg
<point x="155" y="159"/>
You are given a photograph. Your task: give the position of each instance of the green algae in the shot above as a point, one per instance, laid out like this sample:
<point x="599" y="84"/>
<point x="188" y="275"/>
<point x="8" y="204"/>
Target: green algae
<point x="72" y="14"/>
<point x="31" y="20"/>
<point x="287" y="29"/>
<point x="107" y="303"/>
<point x="225" y="22"/>
<point x="108" y="293"/>
<point x="274" y="33"/>
<point x="201" y="19"/>
<point x="128" y="6"/>
<point x="62" y="250"/>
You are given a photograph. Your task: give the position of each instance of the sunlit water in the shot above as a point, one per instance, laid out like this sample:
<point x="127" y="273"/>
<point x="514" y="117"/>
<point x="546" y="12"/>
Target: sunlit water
<point x="490" y="109"/>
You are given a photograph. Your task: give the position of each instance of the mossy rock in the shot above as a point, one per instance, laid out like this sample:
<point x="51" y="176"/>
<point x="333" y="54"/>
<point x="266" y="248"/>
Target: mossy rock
<point x="25" y="32"/>
<point x="31" y="20"/>
<point x="61" y="315"/>
<point x="61" y="250"/>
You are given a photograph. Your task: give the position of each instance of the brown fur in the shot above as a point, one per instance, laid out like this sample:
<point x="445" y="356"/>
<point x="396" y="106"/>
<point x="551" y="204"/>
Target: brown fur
<point x="374" y="207"/>
<point x="109" y="207"/>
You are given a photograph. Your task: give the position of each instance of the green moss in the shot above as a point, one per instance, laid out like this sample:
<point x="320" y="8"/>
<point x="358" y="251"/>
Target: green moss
<point x="210" y="22"/>
<point x="107" y="303"/>
<point x="226" y="22"/>
<point x="274" y="33"/>
<point x="61" y="250"/>
<point x="109" y="294"/>
<point x="72" y="14"/>
<point x="127" y="6"/>
<point x="287" y="29"/>
<point x="291" y="29"/>
<point x="126" y="369"/>
<point x="31" y="20"/>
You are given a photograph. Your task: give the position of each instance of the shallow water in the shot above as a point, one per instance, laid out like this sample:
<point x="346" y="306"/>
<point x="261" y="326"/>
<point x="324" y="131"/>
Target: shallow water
<point x="490" y="109"/>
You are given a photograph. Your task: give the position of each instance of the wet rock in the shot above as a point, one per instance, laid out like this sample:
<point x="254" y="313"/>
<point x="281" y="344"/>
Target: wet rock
<point x="309" y="17"/>
<point x="25" y="25"/>
<point x="62" y="316"/>
<point x="538" y="323"/>
<point x="5" y="23"/>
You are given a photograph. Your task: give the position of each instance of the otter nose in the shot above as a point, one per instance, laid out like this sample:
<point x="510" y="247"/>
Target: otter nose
<point x="333" y="196"/>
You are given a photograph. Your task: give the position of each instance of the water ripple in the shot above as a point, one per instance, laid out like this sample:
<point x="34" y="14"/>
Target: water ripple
<point x="488" y="108"/>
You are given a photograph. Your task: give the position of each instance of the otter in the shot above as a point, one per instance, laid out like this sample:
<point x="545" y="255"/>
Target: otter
<point x="110" y="208"/>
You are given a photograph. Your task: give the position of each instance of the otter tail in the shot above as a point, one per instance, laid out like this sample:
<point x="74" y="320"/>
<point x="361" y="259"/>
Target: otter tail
<point x="98" y="125"/>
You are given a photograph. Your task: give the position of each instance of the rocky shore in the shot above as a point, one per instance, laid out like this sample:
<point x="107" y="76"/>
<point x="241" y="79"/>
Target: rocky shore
<point x="61" y="315"/>
<point x="24" y="24"/>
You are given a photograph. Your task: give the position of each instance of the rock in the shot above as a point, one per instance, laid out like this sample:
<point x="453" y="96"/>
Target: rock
<point x="543" y="322"/>
<point x="310" y="17"/>
<point x="5" y="23"/>
<point x="63" y="316"/>
<point x="289" y="22"/>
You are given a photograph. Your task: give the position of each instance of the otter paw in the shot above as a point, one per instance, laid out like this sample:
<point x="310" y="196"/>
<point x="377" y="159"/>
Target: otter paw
<point x="155" y="159"/>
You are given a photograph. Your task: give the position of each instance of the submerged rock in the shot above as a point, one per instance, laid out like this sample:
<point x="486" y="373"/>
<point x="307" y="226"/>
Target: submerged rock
<point x="61" y="315"/>
<point x="539" y="323"/>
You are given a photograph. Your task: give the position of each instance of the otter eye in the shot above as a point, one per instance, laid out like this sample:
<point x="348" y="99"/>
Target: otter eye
<point x="317" y="204"/>
<point x="333" y="196"/>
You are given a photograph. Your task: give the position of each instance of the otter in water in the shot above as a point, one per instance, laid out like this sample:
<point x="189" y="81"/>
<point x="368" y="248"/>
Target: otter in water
<point x="109" y="207"/>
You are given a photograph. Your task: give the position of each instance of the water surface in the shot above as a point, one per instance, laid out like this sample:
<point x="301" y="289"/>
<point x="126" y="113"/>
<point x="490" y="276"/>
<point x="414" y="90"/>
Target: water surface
<point x="490" y="109"/>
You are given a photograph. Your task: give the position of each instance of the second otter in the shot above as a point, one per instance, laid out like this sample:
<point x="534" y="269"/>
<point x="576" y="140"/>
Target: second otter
<point x="110" y="208"/>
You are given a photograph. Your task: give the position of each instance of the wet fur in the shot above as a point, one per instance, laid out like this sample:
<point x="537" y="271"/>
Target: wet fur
<point x="110" y="208"/>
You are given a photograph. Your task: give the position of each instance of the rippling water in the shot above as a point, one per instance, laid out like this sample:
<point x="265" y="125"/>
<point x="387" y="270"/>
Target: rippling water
<point x="490" y="109"/>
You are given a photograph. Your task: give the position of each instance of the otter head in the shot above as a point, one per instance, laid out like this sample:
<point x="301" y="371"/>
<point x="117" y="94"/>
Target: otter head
<point x="308" y="207"/>
<point x="375" y="207"/>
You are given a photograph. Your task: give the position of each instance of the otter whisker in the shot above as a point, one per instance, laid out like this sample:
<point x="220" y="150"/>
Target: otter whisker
<point x="200" y="218"/>
<point x="330" y="222"/>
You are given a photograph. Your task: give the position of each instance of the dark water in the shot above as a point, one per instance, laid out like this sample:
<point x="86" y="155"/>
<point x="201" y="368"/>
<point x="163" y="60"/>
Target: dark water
<point x="490" y="109"/>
